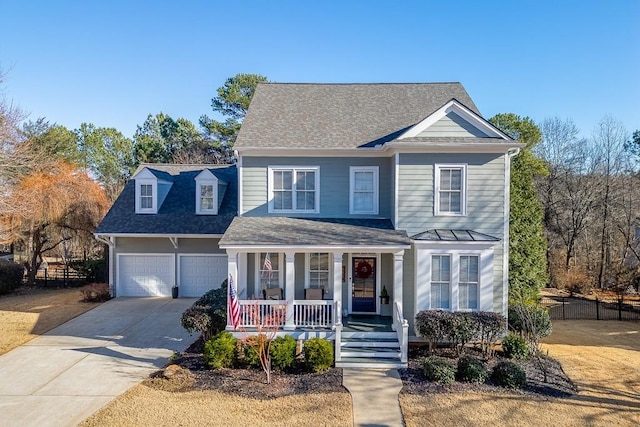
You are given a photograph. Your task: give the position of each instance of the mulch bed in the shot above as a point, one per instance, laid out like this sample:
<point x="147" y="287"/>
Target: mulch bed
<point x="557" y="384"/>
<point x="250" y="383"/>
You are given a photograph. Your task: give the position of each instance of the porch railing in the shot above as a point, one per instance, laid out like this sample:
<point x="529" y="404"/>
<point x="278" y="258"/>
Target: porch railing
<point x="306" y="313"/>
<point x="402" y="329"/>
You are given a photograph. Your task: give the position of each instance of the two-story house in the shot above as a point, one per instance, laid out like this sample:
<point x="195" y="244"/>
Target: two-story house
<point x="345" y="193"/>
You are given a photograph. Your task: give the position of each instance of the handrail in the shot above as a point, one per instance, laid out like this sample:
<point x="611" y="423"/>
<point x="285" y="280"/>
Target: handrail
<point x="402" y="329"/>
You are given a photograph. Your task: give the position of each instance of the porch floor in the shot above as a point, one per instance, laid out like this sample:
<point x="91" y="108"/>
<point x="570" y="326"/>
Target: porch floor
<point x="366" y="323"/>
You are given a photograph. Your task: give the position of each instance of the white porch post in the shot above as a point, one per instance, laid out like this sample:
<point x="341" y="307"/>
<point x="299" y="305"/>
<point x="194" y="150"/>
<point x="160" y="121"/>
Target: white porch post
<point x="232" y="270"/>
<point x="337" y="284"/>
<point x="289" y="289"/>
<point x="397" y="280"/>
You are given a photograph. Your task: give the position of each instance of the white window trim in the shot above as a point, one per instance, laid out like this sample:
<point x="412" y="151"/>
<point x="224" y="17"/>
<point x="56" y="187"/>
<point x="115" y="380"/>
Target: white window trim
<point x="199" y="209"/>
<point x="258" y="267"/>
<point x="293" y="170"/>
<point x="154" y="195"/>
<point x="436" y="189"/>
<point x="307" y="271"/>
<point x="376" y="189"/>
<point x="485" y="254"/>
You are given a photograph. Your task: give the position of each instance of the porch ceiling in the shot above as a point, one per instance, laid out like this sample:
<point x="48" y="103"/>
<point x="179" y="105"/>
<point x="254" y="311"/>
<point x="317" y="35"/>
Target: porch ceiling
<point x="321" y="232"/>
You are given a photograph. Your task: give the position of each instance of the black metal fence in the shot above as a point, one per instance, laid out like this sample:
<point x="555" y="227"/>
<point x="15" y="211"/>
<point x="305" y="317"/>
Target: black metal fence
<point x="574" y="308"/>
<point x="60" y="277"/>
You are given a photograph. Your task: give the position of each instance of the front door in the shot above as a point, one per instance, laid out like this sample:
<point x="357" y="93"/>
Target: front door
<point x="364" y="284"/>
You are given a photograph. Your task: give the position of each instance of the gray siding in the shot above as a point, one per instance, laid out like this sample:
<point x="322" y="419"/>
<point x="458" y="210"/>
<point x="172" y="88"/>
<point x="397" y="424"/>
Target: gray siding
<point x="162" y="245"/>
<point x="452" y="125"/>
<point x="334" y="184"/>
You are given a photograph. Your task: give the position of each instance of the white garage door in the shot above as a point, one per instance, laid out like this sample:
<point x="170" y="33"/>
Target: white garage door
<point x="145" y="275"/>
<point x="201" y="273"/>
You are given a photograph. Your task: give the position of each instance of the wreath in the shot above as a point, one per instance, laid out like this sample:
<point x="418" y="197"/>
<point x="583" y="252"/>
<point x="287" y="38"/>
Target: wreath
<point x="363" y="270"/>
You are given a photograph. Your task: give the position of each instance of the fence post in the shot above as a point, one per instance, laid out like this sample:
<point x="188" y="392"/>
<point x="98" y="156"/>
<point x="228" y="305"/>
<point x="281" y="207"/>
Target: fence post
<point x="597" y="309"/>
<point x="620" y="300"/>
<point x="45" y="276"/>
<point x="563" y="302"/>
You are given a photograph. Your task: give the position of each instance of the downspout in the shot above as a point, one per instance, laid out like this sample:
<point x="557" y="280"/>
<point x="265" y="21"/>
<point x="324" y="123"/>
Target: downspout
<point x="111" y="243"/>
<point x="507" y="209"/>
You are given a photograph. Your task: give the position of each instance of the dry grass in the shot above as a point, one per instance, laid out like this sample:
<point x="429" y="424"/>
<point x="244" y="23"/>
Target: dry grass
<point x="32" y="312"/>
<point x="601" y="357"/>
<point x="144" y="406"/>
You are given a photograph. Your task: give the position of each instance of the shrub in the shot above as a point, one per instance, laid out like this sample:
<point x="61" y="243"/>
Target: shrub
<point x="220" y="351"/>
<point x="96" y="292"/>
<point x="92" y="269"/>
<point x="432" y="325"/>
<point x="318" y="354"/>
<point x="460" y="328"/>
<point x="439" y="369"/>
<point x="208" y="315"/>
<point x="530" y="321"/>
<point x="490" y="327"/>
<point x="514" y="347"/>
<point x="250" y="354"/>
<point x="508" y="374"/>
<point x="471" y="370"/>
<point x="283" y="352"/>
<point x="10" y="276"/>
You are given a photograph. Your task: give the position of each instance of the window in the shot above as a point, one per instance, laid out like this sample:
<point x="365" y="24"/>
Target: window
<point x="318" y="271"/>
<point x="450" y="184"/>
<point x="146" y="196"/>
<point x="440" y="281"/>
<point x="364" y="190"/>
<point x="269" y="270"/>
<point x="206" y="197"/>
<point x="468" y="283"/>
<point x="294" y="189"/>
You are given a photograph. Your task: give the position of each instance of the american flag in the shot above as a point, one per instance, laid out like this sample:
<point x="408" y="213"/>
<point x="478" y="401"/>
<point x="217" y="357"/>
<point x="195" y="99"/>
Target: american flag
<point x="267" y="265"/>
<point x="234" y="306"/>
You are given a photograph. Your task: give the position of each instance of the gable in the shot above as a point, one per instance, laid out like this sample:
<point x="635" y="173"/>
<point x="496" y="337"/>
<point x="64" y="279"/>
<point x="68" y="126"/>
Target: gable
<point x="452" y="125"/>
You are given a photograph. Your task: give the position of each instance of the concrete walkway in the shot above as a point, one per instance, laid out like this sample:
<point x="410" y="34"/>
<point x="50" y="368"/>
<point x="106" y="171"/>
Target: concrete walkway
<point x="67" y="374"/>
<point x="374" y="393"/>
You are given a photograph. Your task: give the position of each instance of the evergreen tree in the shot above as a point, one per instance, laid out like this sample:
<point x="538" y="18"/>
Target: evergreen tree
<point x="527" y="244"/>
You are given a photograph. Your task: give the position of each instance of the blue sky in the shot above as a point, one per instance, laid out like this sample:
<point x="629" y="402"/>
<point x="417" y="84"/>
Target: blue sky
<point x="113" y="62"/>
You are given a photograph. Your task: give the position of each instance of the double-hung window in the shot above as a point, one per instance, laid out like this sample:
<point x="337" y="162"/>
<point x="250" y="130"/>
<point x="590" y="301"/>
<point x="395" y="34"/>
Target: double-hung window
<point x="468" y="283"/>
<point x="294" y="189"/>
<point x="146" y="196"/>
<point x="269" y="270"/>
<point x="206" y="197"/>
<point x="440" y="282"/>
<point x="450" y="189"/>
<point x="364" y="190"/>
<point x="319" y="271"/>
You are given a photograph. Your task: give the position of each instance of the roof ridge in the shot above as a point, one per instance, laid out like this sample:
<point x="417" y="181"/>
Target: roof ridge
<point x="357" y="83"/>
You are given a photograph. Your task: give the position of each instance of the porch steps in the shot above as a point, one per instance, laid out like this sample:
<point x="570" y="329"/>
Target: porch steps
<point x="370" y="351"/>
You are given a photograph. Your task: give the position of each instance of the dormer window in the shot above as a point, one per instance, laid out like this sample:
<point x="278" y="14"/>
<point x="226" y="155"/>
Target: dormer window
<point x="209" y="192"/>
<point x="146" y="196"/>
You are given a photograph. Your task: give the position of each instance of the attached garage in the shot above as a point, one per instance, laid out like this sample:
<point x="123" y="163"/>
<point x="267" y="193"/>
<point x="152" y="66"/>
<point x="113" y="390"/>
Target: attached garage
<point x="144" y="275"/>
<point x="200" y="273"/>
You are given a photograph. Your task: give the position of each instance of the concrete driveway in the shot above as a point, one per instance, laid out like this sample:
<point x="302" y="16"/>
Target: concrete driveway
<point x="65" y="375"/>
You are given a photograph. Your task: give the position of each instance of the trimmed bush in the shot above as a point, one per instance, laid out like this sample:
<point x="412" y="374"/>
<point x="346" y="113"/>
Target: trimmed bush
<point x="10" y="276"/>
<point x="515" y="347"/>
<point x="283" y="352"/>
<point x="471" y="370"/>
<point x="208" y="315"/>
<point x="318" y="354"/>
<point x="460" y="328"/>
<point x="433" y="325"/>
<point x="96" y="292"/>
<point x="508" y="374"/>
<point x="250" y="356"/>
<point x="439" y="369"/>
<point x="220" y="351"/>
<point x="490" y="327"/>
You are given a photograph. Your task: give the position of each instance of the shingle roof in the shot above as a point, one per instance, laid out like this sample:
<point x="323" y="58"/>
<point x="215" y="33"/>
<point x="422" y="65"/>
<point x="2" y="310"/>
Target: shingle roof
<point x="281" y="231"/>
<point x="177" y="215"/>
<point x="443" y="235"/>
<point x="340" y="115"/>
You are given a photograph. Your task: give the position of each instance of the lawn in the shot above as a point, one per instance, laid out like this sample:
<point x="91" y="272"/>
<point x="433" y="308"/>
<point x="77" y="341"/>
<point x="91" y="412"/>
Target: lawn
<point x="601" y="357"/>
<point x="33" y="311"/>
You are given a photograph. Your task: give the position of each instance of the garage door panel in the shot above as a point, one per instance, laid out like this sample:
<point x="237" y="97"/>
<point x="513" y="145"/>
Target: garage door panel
<point x="201" y="273"/>
<point x="145" y="275"/>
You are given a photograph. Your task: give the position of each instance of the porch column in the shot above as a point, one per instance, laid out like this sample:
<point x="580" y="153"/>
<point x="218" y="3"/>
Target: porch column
<point x="232" y="271"/>
<point x="398" y="258"/>
<point x="290" y="289"/>
<point x="337" y="285"/>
